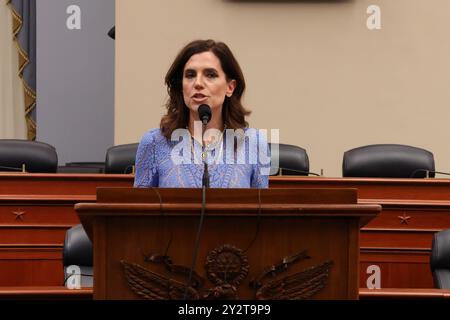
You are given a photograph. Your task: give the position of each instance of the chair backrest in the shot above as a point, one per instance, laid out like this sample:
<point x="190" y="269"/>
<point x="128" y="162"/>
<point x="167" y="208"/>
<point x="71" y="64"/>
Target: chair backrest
<point x="440" y="259"/>
<point x="36" y="156"/>
<point x="121" y="158"/>
<point x="388" y="161"/>
<point x="292" y="160"/>
<point x="78" y="251"/>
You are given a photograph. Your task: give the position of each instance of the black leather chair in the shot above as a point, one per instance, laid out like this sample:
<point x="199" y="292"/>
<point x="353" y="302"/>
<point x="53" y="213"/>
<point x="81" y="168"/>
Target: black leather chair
<point x="36" y="156"/>
<point x="293" y="160"/>
<point x="388" y="161"/>
<point x="440" y="259"/>
<point x="78" y="251"/>
<point x="121" y="158"/>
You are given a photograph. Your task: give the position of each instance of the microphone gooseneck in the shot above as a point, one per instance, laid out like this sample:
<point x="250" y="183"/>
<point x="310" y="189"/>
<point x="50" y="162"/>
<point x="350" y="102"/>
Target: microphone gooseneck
<point x="10" y="168"/>
<point x="205" y="178"/>
<point x="204" y="112"/>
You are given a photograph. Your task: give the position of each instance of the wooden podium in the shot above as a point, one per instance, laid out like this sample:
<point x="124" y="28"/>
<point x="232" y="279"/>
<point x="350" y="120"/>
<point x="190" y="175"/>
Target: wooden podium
<point x="254" y="244"/>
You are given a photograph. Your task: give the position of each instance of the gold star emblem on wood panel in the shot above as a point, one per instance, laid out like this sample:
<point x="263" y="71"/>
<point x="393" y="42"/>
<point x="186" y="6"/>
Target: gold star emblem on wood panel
<point x="404" y="218"/>
<point x="19" y="214"/>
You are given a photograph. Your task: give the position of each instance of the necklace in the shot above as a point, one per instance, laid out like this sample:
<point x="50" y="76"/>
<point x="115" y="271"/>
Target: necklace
<point x="215" y="145"/>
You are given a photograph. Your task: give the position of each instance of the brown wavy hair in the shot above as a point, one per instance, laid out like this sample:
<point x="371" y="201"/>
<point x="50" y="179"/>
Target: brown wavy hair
<point x="233" y="112"/>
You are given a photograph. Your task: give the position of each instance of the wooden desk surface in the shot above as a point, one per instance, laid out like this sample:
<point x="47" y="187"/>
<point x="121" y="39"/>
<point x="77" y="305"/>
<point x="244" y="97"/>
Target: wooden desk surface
<point x="62" y="293"/>
<point x="403" y="293"/>
<point x="369" y="189"/>
<point x="374" y="189"/>
<point x="45" y="292"/>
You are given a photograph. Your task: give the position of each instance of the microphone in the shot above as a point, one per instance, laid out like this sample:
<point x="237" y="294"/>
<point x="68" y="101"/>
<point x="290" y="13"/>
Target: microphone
<point x="129" y="169"/>
<point x="12" y="168"/>
<point x="204" y="113"/>
<point x="427" y="173"/>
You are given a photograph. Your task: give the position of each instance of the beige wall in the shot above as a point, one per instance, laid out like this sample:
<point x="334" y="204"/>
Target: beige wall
<point x="313" y="69"/>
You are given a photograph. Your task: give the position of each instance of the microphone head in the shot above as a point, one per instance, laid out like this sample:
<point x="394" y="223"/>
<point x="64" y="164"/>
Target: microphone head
<point x="204" y="112"/>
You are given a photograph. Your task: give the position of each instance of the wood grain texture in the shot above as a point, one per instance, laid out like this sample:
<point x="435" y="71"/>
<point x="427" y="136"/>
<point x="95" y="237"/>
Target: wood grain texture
<point x="270" y="231"/>
<point x="48" y="200"/>
<point x="413" y="210"/>
<point x="44" y="293"/>
<point x="35" y="212"/>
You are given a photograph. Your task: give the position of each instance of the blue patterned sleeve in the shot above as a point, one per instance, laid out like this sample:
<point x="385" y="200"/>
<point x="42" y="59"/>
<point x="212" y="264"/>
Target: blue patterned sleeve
<point x="146" y="166"/>
<point x="260" y="174"/>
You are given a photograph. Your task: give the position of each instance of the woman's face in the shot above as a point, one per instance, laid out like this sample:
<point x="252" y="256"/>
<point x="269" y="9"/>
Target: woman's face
<point x="204" y="82"/>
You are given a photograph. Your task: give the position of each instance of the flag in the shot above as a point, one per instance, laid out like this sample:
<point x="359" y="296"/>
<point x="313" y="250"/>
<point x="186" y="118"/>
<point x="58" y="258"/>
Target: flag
<point x="24" y="32"/>
<point x="12" y="111"/>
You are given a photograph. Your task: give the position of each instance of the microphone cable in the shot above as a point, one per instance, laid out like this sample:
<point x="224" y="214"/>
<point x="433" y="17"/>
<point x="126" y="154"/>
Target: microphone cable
<point x="427" y="172"/>
<point x="300" y="171"/>
<point x="197" y="241"/>
<point x="76" y="274"/>
<point x="258" y="223"/>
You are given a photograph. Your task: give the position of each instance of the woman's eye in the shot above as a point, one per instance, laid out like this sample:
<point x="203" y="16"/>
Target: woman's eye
<point x="189" y="75"/>
<point x="211" y="75"/>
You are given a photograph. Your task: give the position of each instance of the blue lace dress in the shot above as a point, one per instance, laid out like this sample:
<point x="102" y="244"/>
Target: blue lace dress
<point x="177" y="164"/>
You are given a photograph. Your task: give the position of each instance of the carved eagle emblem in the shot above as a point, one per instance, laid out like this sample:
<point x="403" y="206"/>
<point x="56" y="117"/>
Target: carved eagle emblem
<point x="226" y="267"/>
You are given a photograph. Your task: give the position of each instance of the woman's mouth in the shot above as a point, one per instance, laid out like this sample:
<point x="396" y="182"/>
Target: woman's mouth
<point x="199" y="97"/>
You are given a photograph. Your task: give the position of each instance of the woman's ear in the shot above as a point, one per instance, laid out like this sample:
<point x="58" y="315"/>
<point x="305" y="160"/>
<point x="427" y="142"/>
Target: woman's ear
<point x="230" y="88"/>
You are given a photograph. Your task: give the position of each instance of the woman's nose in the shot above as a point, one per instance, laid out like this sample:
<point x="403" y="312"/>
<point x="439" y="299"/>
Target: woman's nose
<point x="198" y="82"/>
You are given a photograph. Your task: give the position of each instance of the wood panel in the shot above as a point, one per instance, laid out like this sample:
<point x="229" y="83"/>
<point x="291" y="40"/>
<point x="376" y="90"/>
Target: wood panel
<point x="374" y="189"/>
<point x="20" y="266"/>
<point x="412" y="217"/>
<point x="55" y="292"/>
<point x="277" y="238"/>
<point x="62" y="293"/>
<point x="31" y="243"/>
<point x="413" y="210"/>
<point x="403" y="293"/>
<point x="268" y="229"/>
<point x="35" y="212"/>
<point x="399" y="268"/>
<point x="60" y="184"/>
